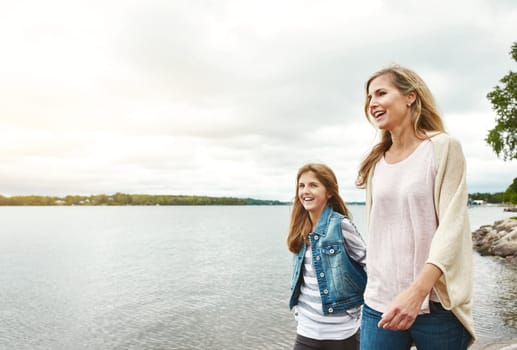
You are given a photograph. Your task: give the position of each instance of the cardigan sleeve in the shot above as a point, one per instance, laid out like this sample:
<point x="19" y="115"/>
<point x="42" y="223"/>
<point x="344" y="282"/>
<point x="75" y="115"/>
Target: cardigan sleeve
<point x="451" y="247"/>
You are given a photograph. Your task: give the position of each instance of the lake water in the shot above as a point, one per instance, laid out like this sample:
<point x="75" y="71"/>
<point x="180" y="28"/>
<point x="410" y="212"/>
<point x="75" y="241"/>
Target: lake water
<point x="210" y="277"/>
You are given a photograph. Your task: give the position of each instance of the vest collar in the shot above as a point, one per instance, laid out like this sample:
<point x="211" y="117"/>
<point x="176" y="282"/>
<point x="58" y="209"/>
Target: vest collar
<point x="321" y="227"/>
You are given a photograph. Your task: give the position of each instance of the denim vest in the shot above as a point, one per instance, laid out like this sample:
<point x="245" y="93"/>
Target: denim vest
<point x="341" y="280"/>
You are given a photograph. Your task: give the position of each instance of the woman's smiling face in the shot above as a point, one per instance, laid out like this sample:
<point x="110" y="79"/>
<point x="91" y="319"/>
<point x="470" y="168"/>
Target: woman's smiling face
<point x="387" y="106"/>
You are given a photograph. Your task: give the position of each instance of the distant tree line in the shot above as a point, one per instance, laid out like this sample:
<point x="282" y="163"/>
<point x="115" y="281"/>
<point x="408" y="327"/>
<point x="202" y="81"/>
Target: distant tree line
<point x="487" y="197"/>
<point x="133" y="199"/>
<point x="508" y="196"/>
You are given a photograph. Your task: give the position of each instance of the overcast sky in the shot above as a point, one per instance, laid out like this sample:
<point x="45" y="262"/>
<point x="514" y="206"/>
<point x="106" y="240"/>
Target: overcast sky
<point x="230" y="98"/>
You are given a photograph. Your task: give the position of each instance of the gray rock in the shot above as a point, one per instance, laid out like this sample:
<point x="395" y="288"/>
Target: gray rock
<point x="499" y="239"/>
<point x="505" y="248"/>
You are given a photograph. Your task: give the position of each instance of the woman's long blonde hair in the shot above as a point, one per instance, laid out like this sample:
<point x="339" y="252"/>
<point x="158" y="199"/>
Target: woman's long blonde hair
<point x="301" y="223"/>
<point x="424" y="114"/>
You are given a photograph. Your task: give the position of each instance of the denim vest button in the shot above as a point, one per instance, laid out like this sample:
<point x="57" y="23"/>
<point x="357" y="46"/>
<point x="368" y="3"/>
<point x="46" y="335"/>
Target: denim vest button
<point x="331" y="251"/>
<point x="325" y="291"/>
<point x="316" y="237"/>
<point x="331" y="310"/>
<point x="318" y="258"/>
<point x="322" y="274"/>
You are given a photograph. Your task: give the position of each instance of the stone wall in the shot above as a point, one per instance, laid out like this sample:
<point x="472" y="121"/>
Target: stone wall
<point x="499" y="239"/>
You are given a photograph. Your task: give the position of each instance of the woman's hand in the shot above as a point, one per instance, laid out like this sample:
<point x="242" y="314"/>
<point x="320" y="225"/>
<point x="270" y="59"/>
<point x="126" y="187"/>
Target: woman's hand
<point x="404" y="309"/>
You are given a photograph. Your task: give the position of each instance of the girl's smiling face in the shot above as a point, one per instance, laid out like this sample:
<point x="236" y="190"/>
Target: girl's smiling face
<point x="312" y="193"/>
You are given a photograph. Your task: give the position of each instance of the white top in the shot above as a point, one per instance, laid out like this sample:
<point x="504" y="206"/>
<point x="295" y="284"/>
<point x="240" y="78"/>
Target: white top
<point x="402" y="224"/>
<point x="451" y="248"/>
<point x="312" y="323"/>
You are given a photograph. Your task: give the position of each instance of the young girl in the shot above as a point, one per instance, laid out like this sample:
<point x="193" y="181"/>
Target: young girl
<point x="328" y="267"/>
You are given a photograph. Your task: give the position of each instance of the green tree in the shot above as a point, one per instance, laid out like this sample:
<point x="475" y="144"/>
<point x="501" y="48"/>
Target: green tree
<point x="510" y="195"/>
<point x="503" y="137"/>
<point x="513" y="186"/>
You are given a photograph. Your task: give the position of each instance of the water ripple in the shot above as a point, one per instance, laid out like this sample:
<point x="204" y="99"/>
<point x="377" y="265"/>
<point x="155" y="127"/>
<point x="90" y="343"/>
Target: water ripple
<point x="170" y="278"/>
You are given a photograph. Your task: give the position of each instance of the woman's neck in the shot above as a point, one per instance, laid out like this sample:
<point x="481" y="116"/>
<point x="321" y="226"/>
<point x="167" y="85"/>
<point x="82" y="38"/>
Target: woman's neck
<point x="403" y="144"/>
<point x="404" y="141"/>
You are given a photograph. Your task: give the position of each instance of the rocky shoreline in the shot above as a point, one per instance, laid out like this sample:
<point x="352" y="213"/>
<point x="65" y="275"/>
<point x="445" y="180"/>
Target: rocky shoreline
<point x="499" y="239"/>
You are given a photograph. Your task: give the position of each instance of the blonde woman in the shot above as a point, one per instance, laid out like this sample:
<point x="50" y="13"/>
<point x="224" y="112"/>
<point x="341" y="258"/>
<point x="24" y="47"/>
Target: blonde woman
<point x="419" y="261"/>
<point x="328" y="264"/>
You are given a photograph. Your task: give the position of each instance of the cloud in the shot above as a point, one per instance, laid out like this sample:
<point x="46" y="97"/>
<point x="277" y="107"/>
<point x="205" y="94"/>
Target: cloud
<point x="230" y="97"/>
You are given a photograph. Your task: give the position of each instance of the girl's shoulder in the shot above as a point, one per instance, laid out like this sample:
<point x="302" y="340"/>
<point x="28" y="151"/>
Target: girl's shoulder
<point x="348" y="225"/>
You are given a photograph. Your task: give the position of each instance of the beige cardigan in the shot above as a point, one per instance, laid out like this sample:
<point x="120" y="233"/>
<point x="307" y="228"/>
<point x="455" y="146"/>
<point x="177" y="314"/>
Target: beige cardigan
<point x="451" y="247"/>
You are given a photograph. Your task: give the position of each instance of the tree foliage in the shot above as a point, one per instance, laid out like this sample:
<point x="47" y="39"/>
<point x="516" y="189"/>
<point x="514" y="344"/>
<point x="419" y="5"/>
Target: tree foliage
<point x="513" y="186"/>
<point x="510" y="195"/>
<point x="503" y="137"/>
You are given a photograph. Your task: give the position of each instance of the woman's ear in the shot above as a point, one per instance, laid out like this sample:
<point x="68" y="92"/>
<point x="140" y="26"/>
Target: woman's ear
<point x="411" y="98"/>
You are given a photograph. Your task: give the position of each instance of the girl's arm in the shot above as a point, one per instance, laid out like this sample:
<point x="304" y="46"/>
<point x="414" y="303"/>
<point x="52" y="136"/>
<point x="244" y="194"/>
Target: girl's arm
<point x="354" y="243"/>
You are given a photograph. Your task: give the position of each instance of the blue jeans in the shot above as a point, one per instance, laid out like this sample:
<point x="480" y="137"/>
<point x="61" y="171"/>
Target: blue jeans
<point x="439" y="329"/>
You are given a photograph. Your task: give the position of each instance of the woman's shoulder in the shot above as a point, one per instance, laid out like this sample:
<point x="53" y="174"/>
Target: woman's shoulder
<point x="442" y="139"/>
<point x="447" y="149"/>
